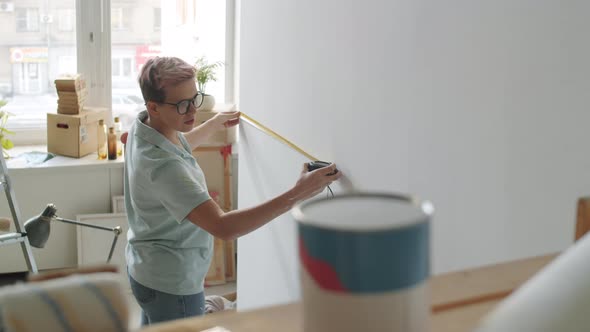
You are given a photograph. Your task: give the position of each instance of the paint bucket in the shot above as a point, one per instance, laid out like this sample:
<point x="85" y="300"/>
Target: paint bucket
<point x="365" y="263"/>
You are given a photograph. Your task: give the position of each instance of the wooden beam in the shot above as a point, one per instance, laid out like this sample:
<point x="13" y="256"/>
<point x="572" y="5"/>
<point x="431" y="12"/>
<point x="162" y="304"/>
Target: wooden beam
<point x="583" y="217"/>
<point x="463" y="288"/>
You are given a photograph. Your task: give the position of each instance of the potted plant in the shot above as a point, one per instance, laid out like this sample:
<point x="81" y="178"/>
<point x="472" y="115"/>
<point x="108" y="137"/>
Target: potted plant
<point x="206" y="72"/>
<point x="6" y="143"/>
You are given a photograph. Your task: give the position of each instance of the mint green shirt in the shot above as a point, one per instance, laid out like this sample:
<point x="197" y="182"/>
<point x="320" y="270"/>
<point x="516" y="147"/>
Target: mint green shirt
<point x="163" y="183"/>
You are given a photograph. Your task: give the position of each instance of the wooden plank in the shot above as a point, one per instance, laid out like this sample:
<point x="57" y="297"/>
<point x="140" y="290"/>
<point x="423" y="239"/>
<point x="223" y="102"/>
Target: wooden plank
<point x="463" y="319"/>
<point x="215" y="161"/>
<point x="207" y="148"/>
<point x="227" y="201"/>
<point x="284" y="318"/>
<point x="456" y="287"/>
<point x="475" y="285"/>
<point x="230" y="260"/>
<point x="583" y="217"/>
<point x="216" y="273"/>
<point x="491" y="297"/>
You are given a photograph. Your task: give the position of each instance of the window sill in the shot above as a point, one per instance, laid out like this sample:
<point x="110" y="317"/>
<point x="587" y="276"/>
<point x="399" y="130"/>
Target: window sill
<point x="18" y="162"/>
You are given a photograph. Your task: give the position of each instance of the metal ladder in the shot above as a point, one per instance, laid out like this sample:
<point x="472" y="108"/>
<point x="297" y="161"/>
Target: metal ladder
<point x="20" y="236"/>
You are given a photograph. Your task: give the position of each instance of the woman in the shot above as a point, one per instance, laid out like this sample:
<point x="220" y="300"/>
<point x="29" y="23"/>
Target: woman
<point x="171" y="216"/>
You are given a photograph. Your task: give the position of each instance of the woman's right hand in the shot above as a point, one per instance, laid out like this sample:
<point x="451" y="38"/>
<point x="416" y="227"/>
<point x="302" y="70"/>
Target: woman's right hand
<point x="314" y="182"/>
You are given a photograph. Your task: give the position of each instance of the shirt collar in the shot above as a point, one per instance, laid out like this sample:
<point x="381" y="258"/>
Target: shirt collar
<point x="154" y="137"/>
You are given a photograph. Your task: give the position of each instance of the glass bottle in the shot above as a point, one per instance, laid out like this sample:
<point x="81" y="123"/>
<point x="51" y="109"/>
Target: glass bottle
<point x="119" y="132"/>
<point x="101" y="140"/>
<point x="112" y="143"/>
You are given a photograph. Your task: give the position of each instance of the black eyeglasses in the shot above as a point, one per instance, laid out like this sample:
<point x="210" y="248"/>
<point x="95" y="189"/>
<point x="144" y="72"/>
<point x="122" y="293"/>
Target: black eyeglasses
<point x="183" y="106"/>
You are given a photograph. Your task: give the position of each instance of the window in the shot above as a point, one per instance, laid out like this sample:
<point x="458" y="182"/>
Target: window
<point x="183" y="28"/>
<point x="119" y="18"/>
<point x="33" y="70"/>
<point x="29" y="63"/>
<point x="27" y="19"/>
<point x="127" y="67"/>
<point x="67" y="64"/>
<point x="29" y="66"/>
<point x="122" y="68"/>
<point x="116" y="67"/>
<point x="29" y="82"/>
<point x="66" y="20"/>
<point x="186" y="12"/>
<point x="157" y="19"/>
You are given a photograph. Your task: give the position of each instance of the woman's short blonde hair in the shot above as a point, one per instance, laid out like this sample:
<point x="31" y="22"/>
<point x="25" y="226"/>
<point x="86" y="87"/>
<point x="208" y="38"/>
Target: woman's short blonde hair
<point x="161" y="72"/>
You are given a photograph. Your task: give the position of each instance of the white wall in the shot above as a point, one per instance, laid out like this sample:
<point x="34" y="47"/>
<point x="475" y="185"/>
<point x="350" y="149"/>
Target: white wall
<point x="267" y="268"/>
<point x="499" y="126"/>
<point x="481" y="107"/>
<point x="75" y="190"/>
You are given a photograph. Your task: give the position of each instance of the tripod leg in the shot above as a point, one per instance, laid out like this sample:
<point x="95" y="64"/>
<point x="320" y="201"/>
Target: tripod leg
<point x="112" y="248"/>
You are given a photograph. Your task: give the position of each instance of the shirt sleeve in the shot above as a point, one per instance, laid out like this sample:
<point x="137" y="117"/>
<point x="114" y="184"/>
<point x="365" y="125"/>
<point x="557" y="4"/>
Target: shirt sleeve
<point x="178" y="188"/>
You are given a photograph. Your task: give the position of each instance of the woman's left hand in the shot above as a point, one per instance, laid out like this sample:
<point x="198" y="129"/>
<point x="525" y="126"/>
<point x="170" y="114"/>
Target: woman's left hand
<point x="225" y="120"/>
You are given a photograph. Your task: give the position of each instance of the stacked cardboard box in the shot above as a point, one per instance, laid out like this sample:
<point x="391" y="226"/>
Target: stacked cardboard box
<point x="74" y="135"/>
<point x="71" y="92"/>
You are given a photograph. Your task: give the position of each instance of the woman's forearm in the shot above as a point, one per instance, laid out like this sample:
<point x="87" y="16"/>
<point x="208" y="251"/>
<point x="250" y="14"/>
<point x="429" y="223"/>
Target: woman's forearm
<point x="200" y="134"/>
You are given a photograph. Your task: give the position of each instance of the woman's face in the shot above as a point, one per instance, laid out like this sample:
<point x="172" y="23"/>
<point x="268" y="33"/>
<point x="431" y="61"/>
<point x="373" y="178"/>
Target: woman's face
<point x="182" y="93"/>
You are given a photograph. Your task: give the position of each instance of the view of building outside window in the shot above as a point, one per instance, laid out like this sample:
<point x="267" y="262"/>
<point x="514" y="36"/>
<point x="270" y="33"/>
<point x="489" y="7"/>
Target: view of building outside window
<point x="38" y="44"/>
<point x="145" y="29"/>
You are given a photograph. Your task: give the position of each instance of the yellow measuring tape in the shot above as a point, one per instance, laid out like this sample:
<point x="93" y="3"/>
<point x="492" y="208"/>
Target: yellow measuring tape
<point x="344" y="181"/>
<point x="270" y="132"/>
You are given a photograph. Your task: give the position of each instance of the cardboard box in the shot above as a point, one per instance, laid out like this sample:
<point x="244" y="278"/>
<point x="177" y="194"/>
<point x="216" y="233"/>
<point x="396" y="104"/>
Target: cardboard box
<point x="74" y="135"/>
<point x="69" y="109"/>
<point x="72" y="83"/>
<point x="222" y="137"/>
<point x="71" y="102"/>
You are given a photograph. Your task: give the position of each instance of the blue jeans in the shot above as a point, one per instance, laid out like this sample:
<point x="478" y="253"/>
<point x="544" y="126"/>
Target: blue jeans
<point x="158" y="306"/>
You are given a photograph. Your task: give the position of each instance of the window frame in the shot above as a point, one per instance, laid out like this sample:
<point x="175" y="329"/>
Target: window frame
<point x="158" y="10"/>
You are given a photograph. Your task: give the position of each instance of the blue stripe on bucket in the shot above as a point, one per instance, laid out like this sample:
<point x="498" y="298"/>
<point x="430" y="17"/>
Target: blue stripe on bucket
<point x="371" y="262"/>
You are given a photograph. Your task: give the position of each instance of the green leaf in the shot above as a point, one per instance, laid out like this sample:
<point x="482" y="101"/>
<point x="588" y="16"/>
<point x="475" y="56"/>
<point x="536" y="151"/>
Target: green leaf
<point x="7" y="144"/>
<point x="205" y="72"/>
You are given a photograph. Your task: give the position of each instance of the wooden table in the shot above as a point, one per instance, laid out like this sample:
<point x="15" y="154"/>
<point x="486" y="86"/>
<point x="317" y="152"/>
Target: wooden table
<point x="459" y="300"/>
